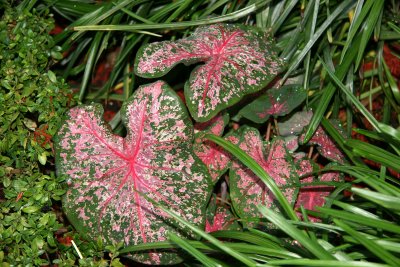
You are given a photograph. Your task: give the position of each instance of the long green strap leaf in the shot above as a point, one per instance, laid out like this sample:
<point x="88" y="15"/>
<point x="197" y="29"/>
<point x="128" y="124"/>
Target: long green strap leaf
<point x="383" y="254"/>
<point x="177" y="25"/>
<point x="329" y="91"/>
<point x="368" y="29"/>
<point x="326" y="263"/>
<point x="342" y="7"/>
<point x="351" y="97"/>
<point x="219" y="244"/>
<point x="291" y="230"/>
<point x="201" y="257"/>
<point x="360" y="13"/>
<point x="374" y="153"/>
<point x="387" y="201"/>
<point x="362" y="220"/>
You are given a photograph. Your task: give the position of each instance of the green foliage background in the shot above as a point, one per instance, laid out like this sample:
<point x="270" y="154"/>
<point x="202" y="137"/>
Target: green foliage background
<point x="325" y="43"/>
<point x="32" y="103"/>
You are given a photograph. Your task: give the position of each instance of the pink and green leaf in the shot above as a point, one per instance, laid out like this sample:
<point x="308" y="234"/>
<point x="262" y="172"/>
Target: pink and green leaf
<point x="223" y="220"/>
<point x="274" y="102"/>
<point x="219" y="217"/>
<point x="238" y="60"/>
<point x="247" y="190"/>
<point x="108" y="173"/>
<point x="213" y="156"/>
<point x="326" y="146"/>
<point x="312" y="196"/>
<point x="295" y="124"/>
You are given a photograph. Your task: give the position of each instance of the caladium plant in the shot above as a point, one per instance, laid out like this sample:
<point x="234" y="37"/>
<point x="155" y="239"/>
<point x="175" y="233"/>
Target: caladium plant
<point x="274" y="102"/>
<point x="312" y="196"/>
<point x="214" y="157"/>
<point x="325" y="145"/>
<point x="247" y="190"/>
<point x="108" y="174"/>
<point x="219" y="216"/>
<point x="239" y="60"/>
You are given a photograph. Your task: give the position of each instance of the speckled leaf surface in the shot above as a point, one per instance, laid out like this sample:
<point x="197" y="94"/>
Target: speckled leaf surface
<point x="238" y="60"/>
<point x="325" y="145"/>
<point x="247" y="190"/>
<point x="219" y="217"/>
<point x="295" y="124"/>
<point x="106" y="172"/>
<point x="274" y="102"/>
<point x="223" y="220"/>
<point x="213" y="156"/>
<point x="312" y="196"/>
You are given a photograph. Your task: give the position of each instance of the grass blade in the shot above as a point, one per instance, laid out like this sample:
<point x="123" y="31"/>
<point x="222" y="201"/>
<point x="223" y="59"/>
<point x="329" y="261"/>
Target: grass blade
<point x="219" y="244"/>
<point x="352" y="98"/>
<point x="387" y="201"/>
<point x="312" y="246"/>
<point x="201" y="257"/>
<point x="360" y="13"/>
<point x="342" y="7"/>
<point x="368" y="29"/>
<point x="374" y="153"/>
<point x="176" y="25"/>
<point x="374" y="223"/>
<point x="326" y="263"/>
<point x="329" y="91"/>
<point x="381" y="253"/>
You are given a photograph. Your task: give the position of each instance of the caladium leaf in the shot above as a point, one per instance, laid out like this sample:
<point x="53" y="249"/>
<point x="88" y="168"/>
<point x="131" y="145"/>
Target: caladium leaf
<point x="247" y="190"/>
<point x="312" y="196"/>
<point x="326" y="146"/>
<point x="213" y="156"/>
<point x="292" y="142"/>
<point x="223" y="220"/>
<point x="274" y="102"/>
<point x="107" y="173"/>
<point x="238" y="59"/>
<point x="295" y="124"/>
<point x="219" y="217"/>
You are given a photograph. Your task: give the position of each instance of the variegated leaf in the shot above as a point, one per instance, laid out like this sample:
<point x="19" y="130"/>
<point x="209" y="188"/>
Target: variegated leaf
<point x="107" y="173"/>
<point x="312" y="196"/>
<point x="219" y="217"/>
<point x="247" y="190"/>
<point x="326" y="146"/>
<point x="238" y="59"/>
<point x="295" y="124"/>
<point x="274" y="102"/>
<point x="213" y="156"/>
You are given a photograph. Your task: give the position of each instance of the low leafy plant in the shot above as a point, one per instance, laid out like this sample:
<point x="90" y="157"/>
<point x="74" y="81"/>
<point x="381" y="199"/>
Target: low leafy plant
<point x="341" y="64"/>
<point x="33" y="102"/>
<point x="112" y="178"/>
<point x="108" y="174"/>
<point x="239" y="60"/>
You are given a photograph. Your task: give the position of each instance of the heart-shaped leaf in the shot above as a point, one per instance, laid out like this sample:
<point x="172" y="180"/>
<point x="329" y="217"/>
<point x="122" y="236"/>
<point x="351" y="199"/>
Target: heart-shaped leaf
<point x="238" y="59"/>
<point x="247" y="190"/>
<point x="222" y="220"/>
<point x="295" y="124"/>
<point x="325" y="145"/>
<point x="274" y="102"/>
<point x="213" y="156"/>
<point x="108" y="173"/>
<point x="219" y="217"/>
<point x="312" y="196"/>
